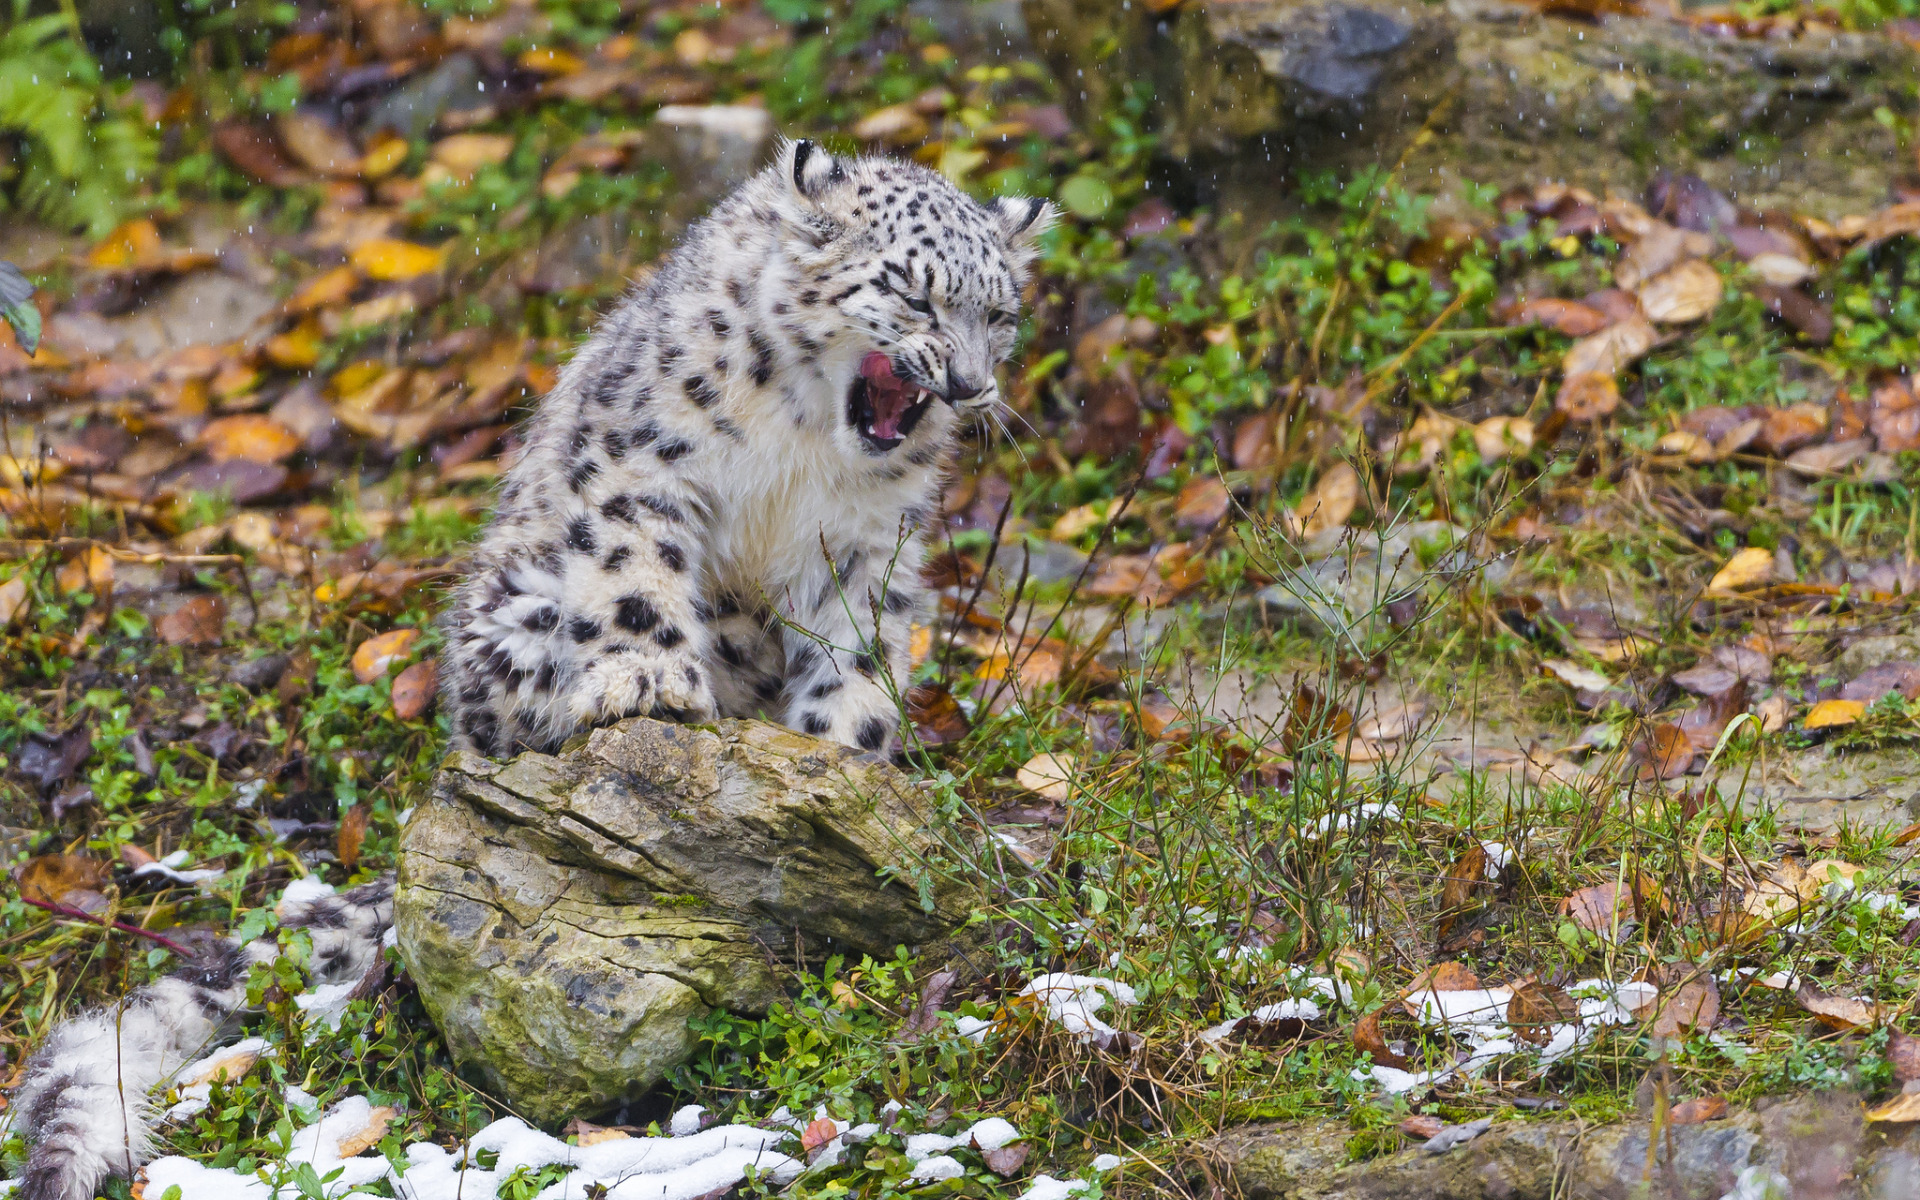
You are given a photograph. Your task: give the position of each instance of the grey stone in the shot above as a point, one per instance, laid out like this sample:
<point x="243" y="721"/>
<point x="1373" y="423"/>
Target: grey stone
<point x="1816" y="1141"/>
<point x="566" y="916"/>
<point x="1511" y="94"/>
<point x="412" y="109"/>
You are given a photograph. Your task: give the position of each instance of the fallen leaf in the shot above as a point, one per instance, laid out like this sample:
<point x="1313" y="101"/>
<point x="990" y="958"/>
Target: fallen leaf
<point x="369" y="1135"/>
<point x="1575" y="676"/>
<point x="1202" y="503"/>
<point x="1049" y="776"/>
<point x="818" y="1133"/>
<point x="1903" y="1109"/>
<point x="1903" y="1053"/>
<point x="89" y="571"/>
<point x="351" y="835"/>
<point x="248" y="437"/>
<point x="1368" y="1036"/>
<point x="1694" y="1005"/>
<point x="1498" y="438"/>
<point x="223" y="1066"/>
<point x="1874" y="683"/>
<point x="1829" y="714"/>
<point x="130" y="244"/>
<point x="1697" y="1110"/>
<point x="1612" y="350"/>
<point x="253" y="150"/>
<point x="1605" y="907"/>
<point x="1587" y="396"/>
<point x="389" y="259"/>
<point x="74" y="880"/>
<point x="1748" y="568"/>
<point x="1442" y="977"/>
<point x="1780" y="270"/>
<point x="895" y="125"/>
<point x="1422" y="1128"/>
<point x="414" y="688"/>
<point x="1844" y="1013"/>
<point x="1682" y="294"/>
<point x="1328" y="505"/>
<point x="198" y="622"/>
<point x="378" y="653"/>
<point x="324" y="290"/>
<point x="1664" y="751"/>
<point x="1006" y="1161"/>
<point x="1570" y="317"/>
<point x="461" y="155"/>
<point x="13" y="599"/>
<point x="1829" y="459"/>
<point x="1465" y="882"/>
<point x="1535" y="1007"/>
<point x="936" y="715"/>
<point x="317" y="144"/>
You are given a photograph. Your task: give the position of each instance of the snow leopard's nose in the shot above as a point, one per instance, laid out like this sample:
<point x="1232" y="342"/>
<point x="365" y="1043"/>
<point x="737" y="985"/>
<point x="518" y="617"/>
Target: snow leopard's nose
<point x="959" y="387"/>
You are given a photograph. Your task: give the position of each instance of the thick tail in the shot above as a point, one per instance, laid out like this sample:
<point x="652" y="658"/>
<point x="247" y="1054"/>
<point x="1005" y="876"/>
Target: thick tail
<point x="85" y="1102"/>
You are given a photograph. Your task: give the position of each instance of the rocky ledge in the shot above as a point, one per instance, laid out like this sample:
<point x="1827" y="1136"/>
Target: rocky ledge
<point x="566" y="916"/>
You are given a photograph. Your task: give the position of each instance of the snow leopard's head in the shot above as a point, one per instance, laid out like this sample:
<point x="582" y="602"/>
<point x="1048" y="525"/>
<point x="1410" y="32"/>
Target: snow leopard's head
<point x="925" y="282"/>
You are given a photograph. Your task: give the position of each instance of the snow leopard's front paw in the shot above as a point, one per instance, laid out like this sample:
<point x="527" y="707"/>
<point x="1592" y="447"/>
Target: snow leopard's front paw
<point x="854" y="711"/>
<point x="670" y="684"/>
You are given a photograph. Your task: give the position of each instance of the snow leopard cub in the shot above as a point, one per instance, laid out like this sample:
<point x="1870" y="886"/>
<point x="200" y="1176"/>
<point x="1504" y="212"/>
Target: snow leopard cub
<point x="719" y="504"/>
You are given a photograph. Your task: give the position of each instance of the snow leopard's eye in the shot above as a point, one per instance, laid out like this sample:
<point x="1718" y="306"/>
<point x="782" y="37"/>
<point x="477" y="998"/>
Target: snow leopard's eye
<point x="919" y="304"/>
<point x="1001" y="316"/>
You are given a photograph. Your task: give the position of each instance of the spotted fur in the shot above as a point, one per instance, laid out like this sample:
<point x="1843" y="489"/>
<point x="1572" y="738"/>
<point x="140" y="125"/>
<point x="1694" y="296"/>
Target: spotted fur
<point x="699" y="525"/>
<point x="85" y="1104"/>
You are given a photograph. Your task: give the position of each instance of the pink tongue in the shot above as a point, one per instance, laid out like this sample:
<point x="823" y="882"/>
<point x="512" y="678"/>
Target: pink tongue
<point x="888" y="394"/>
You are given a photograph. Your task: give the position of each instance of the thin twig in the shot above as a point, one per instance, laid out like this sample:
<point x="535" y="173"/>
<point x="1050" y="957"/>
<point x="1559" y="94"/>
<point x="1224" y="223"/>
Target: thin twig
<point x="87" y="918"/>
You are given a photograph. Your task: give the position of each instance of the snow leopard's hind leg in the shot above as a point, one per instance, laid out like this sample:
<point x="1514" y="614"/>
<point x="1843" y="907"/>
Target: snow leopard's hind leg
<point x="85" y="1104"/>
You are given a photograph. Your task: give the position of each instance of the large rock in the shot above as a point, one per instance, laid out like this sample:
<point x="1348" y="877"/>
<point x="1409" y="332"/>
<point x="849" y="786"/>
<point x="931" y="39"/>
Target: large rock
<point x="565" y="916"/>
<point x="1816" y="1143"/>
<point x="1512" y="95"/>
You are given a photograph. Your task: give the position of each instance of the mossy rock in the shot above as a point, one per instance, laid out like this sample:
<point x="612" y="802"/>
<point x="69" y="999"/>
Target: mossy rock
<point x="565" y="916"/>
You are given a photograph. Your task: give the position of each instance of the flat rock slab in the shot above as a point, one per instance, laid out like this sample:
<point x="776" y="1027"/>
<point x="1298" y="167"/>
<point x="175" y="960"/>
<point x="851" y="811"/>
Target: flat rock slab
<point x="1817" y="1143"/>
<point x="565" y="916"/>
<point x="1512" y="95"/>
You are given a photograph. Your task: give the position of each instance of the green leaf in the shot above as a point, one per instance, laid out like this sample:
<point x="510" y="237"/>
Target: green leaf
<point x="1086" y="197"/>
<point x="16" y="305"/>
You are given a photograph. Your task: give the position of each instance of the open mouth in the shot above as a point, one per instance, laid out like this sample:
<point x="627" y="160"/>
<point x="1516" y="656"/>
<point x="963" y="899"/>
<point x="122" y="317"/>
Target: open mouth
<point x="882" y="407"/>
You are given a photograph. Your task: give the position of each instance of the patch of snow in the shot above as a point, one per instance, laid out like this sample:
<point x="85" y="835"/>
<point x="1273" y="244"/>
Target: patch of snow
<point x="1498" y="856"/>
<point x="976" y="1028"/>
<point x="1071" y="1001"/>
<point x="937" y="1168"/>
<point x="1286" y="1010"/>
<point x="992" y="1133"/>
<point x="1046" y="1187"/>
<point x="1342" y="822"/>
<point x="685" y="1122"/>
<point x="326" y="1004"/>
<point x="160" y="870"/>
<point x="1106" y="1162"/>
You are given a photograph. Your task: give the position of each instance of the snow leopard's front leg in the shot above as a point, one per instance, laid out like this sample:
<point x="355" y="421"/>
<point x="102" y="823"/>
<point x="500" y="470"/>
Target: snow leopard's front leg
<point x="848" y="644"/>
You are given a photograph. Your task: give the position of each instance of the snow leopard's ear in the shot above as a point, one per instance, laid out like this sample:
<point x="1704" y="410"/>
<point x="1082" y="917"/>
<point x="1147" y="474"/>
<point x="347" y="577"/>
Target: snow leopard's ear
<point x="810" y="169"/>
<point x="1022" y="220"/>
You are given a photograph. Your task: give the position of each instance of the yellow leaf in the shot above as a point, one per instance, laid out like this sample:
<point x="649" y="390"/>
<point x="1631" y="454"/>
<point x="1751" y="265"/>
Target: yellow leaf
<point x="1751" y="567"/>
<point x="249" y="437"/>
<point x="1499" y="437"/>
<point x="383" y="157"/>
<point x="1076" y="521"/>
<point x="1829" y="714"/>
<point x="90" y="571"/>
<point x="13" y="598"/>
<point x="548" y="61"/>
<point x="392" y="259"/>
<point x="324" y="290"/>
<point x="1903" y="1109"/>
<point x="1048" y="776"/>
<point x="919" y="644"/>
<point x="296" y="349"/>
<point x="135" y="242"/>
<point x="378" y="653"/>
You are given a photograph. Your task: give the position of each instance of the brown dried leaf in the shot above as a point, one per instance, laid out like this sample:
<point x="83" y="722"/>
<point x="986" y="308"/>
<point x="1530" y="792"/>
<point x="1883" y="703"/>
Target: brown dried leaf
<point x="414" y="688"/>
<point x="1049" y="776"/>
<point x="74" y="880"/>
<point x="1367" y="1036"/>
<point x="1202" y="503"/>
<point x="1466" y="880"/>
<point x="351" y="834"/>
<point x="1535" y="1006"/>
<point x="1844" y="1013"/>
<point x="1421" y="1128"/>
<point x="1682" y="294"/>
<point x="198" y="622"/>
<point x="317" y="144"/>
<point x="1694" y="1005"/>
<point x="1903" y="1109"/>
<point x="1329" y="504"/>
<point x="1903" y="1052"/>
<point x="1443" y="977"/>
<point x="1006" y="1161"/>
<point x="1664" y="751"/>
<point x="1570" y="317"/>
<point x="369" y="1134"/>
<point x="936" y="714"/>
<point x="1748" y="568"/>
<point x="1697" y="1110"/>
<point x="253" y="150"/>
<point x="818" y="1133"/>
<point x="1612" y="350"/>
<point x="1587" y="396"/>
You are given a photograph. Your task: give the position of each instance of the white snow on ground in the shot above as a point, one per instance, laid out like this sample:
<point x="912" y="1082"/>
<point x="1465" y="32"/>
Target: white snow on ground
<point x="1479" y="1017"/>
<point x="1071" y="1001"/>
